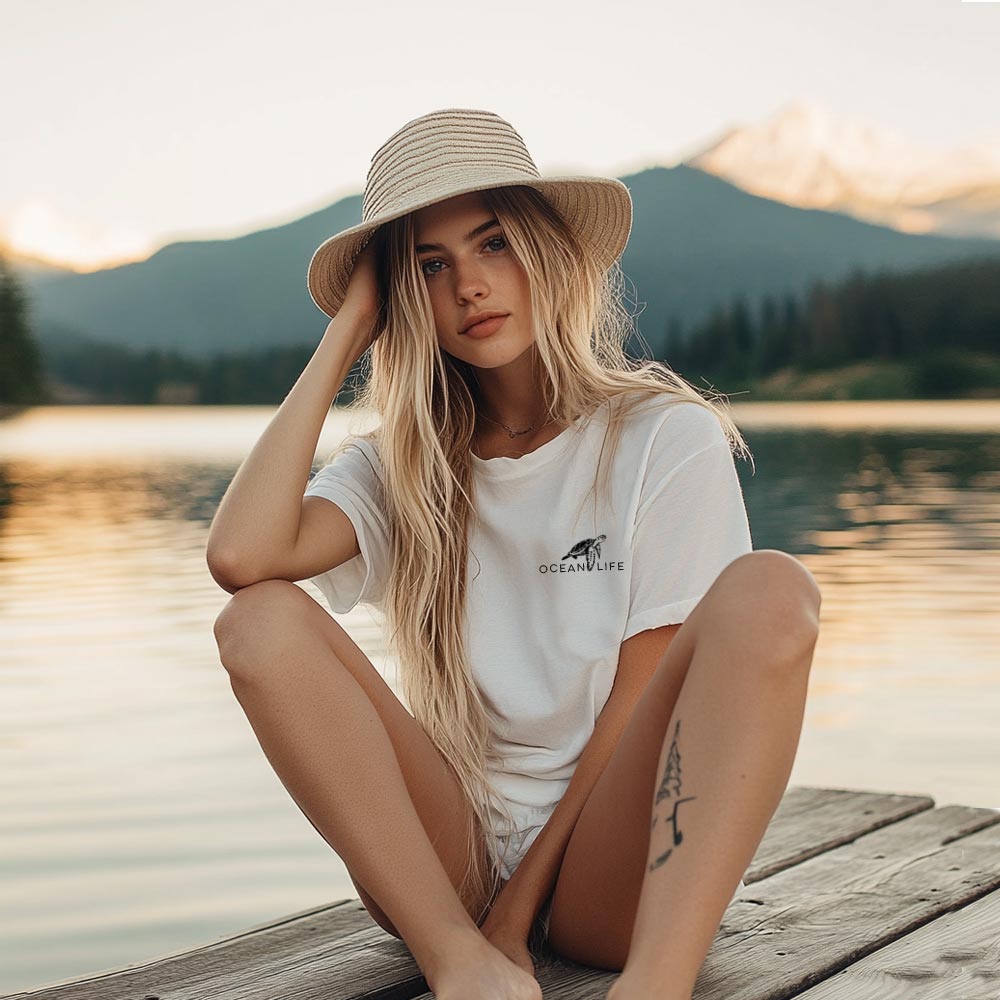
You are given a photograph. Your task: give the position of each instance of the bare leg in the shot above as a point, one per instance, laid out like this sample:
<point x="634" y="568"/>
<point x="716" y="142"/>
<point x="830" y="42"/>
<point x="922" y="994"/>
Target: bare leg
<point x="304" y="688"/>
<point x="723" y="767"/>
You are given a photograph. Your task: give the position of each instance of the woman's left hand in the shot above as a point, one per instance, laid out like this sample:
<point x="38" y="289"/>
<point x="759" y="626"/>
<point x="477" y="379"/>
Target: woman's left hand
<point x="510" y="938"/>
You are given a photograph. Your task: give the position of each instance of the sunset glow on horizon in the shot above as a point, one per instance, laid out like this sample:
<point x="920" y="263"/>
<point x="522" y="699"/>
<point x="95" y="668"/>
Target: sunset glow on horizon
<point x="274" y="116"/>
<point x="37" y="230"/>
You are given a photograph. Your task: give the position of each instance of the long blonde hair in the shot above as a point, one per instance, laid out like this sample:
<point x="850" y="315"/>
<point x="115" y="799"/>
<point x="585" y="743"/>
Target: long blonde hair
<point x="427" y="402"/>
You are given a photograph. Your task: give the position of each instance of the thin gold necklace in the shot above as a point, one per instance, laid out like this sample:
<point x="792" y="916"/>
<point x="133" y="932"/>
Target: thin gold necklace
<point x="510" y="430"/>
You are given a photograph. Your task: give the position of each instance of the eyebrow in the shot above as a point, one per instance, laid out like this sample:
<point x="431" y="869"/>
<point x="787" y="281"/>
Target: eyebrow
<point x="423" y="247"/>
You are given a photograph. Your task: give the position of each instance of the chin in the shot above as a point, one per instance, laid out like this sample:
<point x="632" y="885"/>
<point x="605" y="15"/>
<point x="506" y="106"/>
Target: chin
<point x="489" y="353"/>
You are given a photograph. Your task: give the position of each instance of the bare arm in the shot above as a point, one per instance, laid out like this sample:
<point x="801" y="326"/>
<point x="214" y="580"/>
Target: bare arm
<point x="265" y="527"/>
<point x="254" y="532"/>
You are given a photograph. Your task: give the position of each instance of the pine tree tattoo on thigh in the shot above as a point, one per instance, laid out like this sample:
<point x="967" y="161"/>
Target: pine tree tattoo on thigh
<point x="670" y="790"/>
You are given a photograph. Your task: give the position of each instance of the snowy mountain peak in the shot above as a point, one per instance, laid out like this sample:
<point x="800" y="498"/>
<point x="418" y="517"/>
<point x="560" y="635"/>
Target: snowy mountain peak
<point x="808" y="156"/>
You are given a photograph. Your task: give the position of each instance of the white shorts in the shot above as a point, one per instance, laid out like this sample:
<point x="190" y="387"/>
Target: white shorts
<point x="528" y="823"/>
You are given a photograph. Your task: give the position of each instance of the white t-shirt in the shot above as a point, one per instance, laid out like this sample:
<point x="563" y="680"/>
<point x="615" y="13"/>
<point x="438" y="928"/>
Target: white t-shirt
<point x="553" y="588"/>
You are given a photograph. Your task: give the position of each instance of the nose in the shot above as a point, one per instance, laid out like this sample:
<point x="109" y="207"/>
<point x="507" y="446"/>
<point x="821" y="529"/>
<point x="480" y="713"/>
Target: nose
<point x="470" y="281"/>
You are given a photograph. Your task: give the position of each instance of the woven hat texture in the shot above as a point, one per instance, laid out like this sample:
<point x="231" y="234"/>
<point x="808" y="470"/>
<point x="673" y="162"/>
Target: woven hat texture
<point x="454" y="151"/>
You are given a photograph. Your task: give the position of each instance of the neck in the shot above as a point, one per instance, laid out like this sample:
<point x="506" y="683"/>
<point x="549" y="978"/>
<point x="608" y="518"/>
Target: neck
<point x="510" y="396"/>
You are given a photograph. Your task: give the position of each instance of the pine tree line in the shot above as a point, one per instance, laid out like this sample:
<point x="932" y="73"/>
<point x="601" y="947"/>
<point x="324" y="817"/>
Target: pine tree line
<point x="930" y="313"/>
<point x="22" y="382"/>
<point x="945" y="319"/>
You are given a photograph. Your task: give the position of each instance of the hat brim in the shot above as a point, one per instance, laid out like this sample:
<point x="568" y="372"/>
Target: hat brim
<point x="598" y="209"/>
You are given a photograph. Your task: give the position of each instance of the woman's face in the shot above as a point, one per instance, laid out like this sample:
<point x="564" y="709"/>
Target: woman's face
<point x="469" y="269"/>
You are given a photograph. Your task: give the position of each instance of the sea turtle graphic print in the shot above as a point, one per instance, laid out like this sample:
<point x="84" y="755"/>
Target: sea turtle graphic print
<point x="589" y="547"/>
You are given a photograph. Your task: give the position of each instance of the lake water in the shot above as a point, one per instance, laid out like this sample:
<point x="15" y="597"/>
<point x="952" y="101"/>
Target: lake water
<point x="140" y="816"/>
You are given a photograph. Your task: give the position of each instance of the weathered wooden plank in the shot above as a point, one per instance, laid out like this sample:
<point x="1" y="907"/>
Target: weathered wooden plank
<point x="804" y="924"/>
<point x="334" y="952"/>
<point x="338" y="952"/>
<point x="809" y="821"/>
<point x="955" y="957"/>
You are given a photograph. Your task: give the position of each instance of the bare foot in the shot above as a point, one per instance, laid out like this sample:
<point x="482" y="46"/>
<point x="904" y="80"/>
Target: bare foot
<point x="478" y="971"/>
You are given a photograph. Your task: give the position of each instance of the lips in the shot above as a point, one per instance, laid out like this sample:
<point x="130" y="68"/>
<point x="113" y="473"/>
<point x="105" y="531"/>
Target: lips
<point x="488" y="327"/>
<point x="473" y="321"/>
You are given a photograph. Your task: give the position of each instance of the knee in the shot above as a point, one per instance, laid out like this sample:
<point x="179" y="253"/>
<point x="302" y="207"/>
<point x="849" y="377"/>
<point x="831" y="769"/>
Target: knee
<point x="774" y="596"/>
<point x="252" y="618"/>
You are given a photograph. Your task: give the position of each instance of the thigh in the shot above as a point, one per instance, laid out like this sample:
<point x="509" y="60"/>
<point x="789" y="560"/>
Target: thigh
<point x="596" y="895"/>
<point x="261" y="621"/>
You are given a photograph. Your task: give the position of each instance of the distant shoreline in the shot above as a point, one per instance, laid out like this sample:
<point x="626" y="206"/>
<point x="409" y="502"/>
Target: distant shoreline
<point x="874" y="380"/>
<point x="977" y="378"/>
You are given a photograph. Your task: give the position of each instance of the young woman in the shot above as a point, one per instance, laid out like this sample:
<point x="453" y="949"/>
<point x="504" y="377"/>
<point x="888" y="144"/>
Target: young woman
<point x="605" y="682"/>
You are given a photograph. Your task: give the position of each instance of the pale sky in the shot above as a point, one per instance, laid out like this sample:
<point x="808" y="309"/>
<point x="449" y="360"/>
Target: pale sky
<point x="129" y="125"/>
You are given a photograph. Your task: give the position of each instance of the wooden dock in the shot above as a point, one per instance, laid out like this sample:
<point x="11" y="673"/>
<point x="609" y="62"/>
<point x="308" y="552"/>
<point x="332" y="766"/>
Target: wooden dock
<point x="851" y="896"/>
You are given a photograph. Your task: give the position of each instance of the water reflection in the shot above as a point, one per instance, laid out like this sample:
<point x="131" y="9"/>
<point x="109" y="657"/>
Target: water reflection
<point x="140" y="815"/>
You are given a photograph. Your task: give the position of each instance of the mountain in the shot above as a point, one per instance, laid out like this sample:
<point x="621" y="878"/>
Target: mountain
<point x="200" y="297"/>
<point x="697" y="241"/>
<point x="808" y="157"/>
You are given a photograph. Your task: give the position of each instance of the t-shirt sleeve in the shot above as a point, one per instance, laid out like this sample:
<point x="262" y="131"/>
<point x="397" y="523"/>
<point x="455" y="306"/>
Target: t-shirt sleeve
<point x="353" y="481"/>
<point x="691" y="520"/>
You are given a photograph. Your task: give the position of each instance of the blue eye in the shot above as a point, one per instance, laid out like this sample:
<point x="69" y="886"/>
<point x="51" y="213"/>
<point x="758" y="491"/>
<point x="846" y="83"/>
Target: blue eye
<point x="437" y="260"/>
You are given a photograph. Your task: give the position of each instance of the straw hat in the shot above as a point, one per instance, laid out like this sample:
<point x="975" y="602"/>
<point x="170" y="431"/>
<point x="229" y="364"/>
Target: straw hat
<point x="451" y="152"/>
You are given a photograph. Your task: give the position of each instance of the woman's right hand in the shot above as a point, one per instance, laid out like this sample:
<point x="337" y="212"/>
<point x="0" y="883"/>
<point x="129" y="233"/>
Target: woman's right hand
<point x="362" y="299"/>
